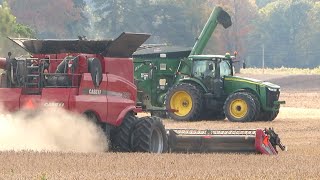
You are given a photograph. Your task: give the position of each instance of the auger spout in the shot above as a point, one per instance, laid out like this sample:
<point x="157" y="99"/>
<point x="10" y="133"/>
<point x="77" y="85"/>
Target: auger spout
<point x="218" y="16"/>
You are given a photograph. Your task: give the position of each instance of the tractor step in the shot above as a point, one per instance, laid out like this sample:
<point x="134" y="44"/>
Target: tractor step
<point x="250" y="141"/>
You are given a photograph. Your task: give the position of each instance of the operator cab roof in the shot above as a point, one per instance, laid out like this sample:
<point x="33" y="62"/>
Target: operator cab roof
<point x="123" y="46"/>
<point x="209" y="57"/>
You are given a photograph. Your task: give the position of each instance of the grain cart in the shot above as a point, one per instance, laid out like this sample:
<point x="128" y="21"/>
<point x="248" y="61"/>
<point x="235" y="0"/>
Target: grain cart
<point x="95" y="78"/>
<point x="191" y="86"/>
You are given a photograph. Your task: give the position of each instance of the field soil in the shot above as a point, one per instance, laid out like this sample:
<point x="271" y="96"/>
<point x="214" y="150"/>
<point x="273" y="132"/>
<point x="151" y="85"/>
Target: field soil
<point x="298" y="125"/>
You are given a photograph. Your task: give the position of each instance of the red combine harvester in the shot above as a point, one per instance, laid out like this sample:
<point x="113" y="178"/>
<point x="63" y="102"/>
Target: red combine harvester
<point x="95" y="78"/>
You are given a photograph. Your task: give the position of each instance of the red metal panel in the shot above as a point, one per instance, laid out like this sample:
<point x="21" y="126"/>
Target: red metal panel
<point x="9" y="98"/>
<point x="262" y="146"/>
<point x="3" y="62"/>
<point x="29" y="101"/>
<point x="122" y="67"/>
<point x="91" y="98"/>
<point x="92" y="103"/>
<point x="55" y="97"/>
<point x="121" y="98"/>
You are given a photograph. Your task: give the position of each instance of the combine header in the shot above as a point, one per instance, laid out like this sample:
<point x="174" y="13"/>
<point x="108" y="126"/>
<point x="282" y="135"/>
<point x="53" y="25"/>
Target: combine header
<point x="96" y="79"/>
<point x="192" y="140"/>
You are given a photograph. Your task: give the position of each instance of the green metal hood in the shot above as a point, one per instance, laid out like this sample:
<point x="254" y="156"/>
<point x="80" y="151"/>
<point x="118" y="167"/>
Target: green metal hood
<point x="252" y="81"/>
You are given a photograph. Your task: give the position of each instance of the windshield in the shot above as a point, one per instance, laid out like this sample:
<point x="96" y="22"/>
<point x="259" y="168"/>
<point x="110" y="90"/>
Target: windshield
<point x="225" y="68"/>
<point x="203" y="68"/>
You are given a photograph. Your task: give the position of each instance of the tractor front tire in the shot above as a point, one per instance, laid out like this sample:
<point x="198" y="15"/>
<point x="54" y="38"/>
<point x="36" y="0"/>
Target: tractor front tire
<point x="184" y="102"/>
<point x="269" y="116"/>
<point x="240" y="107"/>
<point x="150" y="136"/>
<point x="121" y="137"/>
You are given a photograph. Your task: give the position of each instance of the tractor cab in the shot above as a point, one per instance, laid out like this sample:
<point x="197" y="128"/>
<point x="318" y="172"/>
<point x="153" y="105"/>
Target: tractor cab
<point x="211" y="66"/>
<point x="211" y="69"/>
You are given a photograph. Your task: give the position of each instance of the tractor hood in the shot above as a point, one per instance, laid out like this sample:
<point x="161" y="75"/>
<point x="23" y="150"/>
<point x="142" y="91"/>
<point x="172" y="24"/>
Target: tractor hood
<point x="124" y="46"/>
<point x="251" y="81"/>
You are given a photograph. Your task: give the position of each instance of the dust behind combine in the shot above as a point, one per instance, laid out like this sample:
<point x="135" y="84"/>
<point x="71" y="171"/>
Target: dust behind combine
<point x="45" y="131"/>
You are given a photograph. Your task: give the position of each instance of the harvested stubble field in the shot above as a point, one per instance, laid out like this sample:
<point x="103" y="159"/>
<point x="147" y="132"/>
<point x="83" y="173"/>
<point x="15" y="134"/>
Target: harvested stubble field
<point x="298" y="125"/>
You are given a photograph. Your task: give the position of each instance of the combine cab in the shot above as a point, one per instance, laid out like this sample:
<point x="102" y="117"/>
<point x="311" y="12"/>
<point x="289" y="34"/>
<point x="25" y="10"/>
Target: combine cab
<point x="95" y="78"/>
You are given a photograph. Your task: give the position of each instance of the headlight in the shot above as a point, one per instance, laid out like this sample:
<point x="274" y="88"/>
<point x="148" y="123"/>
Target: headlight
<point x="272" y="89"/>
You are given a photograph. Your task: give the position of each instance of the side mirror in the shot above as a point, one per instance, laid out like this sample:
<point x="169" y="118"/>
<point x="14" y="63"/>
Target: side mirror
<point x="95" y="69"/>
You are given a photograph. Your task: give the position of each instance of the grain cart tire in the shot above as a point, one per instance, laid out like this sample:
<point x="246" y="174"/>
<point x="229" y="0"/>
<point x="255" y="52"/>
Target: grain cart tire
<point x="184" y="102"/>
<point x="95" y="69"/>
<point x="240" y="107"/>
<point x="121" y="137"/>
<point x="150" y="136"/>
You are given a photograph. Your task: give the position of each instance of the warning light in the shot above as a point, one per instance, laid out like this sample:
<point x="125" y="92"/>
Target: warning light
<point x="29" y="105"/>
<point x="266" y="141"/>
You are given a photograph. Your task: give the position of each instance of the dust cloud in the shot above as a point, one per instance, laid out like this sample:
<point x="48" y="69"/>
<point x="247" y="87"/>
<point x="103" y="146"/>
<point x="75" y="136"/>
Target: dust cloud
<point x="50" y="130"/>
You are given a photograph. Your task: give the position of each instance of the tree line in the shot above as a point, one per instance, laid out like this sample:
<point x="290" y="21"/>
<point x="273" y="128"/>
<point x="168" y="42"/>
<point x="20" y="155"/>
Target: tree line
<point x="280" y="32"/>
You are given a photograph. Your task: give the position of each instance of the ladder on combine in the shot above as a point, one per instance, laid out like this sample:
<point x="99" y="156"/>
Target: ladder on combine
<point x="33" y="81"/>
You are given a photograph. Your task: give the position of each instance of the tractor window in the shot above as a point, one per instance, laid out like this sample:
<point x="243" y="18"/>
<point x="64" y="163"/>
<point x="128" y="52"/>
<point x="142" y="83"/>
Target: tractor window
<point x="225" y="68"/>
<point x="202" y="69"/>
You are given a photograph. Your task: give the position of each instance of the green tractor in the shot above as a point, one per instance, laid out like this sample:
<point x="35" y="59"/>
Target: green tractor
<point x="186" y="85"/>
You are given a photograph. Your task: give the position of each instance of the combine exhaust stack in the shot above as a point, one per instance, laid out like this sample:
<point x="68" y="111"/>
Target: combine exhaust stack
<point x="249" y="141"/>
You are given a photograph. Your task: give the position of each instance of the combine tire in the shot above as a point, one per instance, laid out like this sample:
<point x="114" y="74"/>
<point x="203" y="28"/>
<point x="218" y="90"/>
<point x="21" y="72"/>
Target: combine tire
<point x="122" y="137"/>
<point x="240" y="107"/>
<point x="150" y="136"/>
<point x="186" y="102"/>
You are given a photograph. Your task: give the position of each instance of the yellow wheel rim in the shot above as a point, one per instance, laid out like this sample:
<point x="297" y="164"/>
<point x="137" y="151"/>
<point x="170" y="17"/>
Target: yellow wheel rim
<point x="181" y="102"/>
<point x="238" y="108"/>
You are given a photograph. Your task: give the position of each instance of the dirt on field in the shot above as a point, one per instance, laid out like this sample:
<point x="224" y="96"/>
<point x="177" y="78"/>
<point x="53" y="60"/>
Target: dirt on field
<point x="298" y="125"/>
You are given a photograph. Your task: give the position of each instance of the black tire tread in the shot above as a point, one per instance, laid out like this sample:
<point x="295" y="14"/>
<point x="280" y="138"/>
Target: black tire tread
<point x="251" y="115"/>
<point x="258" y="107"/>
<point x="197" y="101"/>
<point x="142" y="136"/>
<point x="121" y="138"/>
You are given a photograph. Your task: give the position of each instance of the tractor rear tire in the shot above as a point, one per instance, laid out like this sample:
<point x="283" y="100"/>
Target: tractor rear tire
<point x="121" y="138"/>
<point x="150" y="136"/>
<point x="187" y="100"/>
<point x="240" y="107"/>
